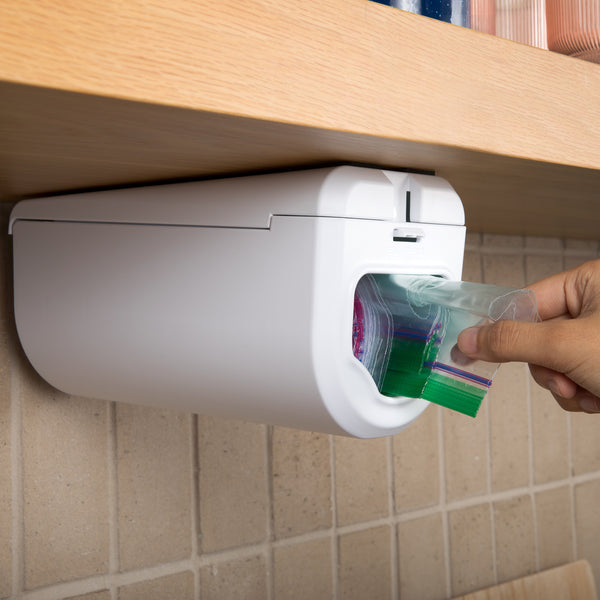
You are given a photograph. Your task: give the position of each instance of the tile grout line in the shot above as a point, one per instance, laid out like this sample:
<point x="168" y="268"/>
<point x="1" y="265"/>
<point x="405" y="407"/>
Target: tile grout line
<point x="198" y="530"/>
<point x="244" y="551"/>
<point x="488" y="449"/>
<point x="17" y="484"/>
<point x="573" y="521"/>
<point x="572" y="493"/>
<point x="531" y="473"/>
<point x="394" y="570"/>
<point x="472" y="501"/>
<point x="195" y="501"/>
<point x="530" y="449"/>
<point x="443" y="502"/>
<point x="269" y="558"/>
<point x="531" y="251"/>
<point x="334" y="525"/>
<point x="113" y="498"/>
<point x="394" y="549"/>
<point x="99" y="582"/>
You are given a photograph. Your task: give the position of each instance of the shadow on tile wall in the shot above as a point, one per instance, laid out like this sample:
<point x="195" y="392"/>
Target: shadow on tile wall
<point x="111" y="502"/>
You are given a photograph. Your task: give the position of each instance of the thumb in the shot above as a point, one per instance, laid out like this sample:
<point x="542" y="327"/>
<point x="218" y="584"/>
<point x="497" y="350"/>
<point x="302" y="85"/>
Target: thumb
<point x="504" y="341"/>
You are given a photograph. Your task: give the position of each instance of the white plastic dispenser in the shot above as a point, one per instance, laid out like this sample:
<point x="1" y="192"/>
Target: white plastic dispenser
<point x="231" y="297"/>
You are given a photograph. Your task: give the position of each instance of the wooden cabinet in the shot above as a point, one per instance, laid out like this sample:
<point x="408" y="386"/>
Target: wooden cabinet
<point x="104" y="93"/>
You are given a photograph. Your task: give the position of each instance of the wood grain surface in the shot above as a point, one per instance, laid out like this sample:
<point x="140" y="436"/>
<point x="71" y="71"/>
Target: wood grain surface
<point x="106" y="93"/>
<point x="574" y="581"/>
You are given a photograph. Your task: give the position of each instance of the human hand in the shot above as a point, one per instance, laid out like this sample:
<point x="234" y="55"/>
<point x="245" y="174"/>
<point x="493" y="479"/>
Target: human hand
<point x="563" y="351"/>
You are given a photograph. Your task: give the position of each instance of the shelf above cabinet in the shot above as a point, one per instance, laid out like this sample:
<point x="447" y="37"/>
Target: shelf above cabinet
<point x="107" y="94"/>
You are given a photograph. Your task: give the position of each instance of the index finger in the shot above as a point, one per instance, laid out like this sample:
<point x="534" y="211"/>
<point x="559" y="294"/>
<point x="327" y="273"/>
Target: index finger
<point x="551" y="295"/>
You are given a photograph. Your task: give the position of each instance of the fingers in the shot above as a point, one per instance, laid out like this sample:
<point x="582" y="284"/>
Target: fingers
<point x="563" y="348"/>
<point x="588" y="402"/>
<point x="566" y="392"/>
<point x="570" y="404"/>
<point x="566" y="292"/>
<point x="544" y="344"/>
<point x="550" y="296"/>
<point x="558" y="383"/>
<point x="582" y="401"/>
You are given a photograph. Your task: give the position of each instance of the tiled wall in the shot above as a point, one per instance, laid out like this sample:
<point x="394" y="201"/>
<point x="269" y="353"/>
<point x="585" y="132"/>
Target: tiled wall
<point x="105" y="502"/>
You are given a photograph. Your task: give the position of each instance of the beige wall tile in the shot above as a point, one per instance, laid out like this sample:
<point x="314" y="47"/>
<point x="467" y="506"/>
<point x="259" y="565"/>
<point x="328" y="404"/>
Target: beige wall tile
<point x="101" y="595"/>
<point x="465" y="453"/>
<point x="364" y="559"/>
<point x="7" y="337"/>
<point x="303" y="571"/>
<point x="301" y="481"/>
<point x="179" y="586"/>
<point x="590" y="246"/>
<point x="64" y="484"/>
<point x="421" y="558"/>
<point x="473" y="239"/>
<point x="540" y="266"/>
<point x="570" y="262"/>
<point x="499" y="241"/>
<point x="5" y="503"/>
<point x="361" y="479"/>
<point x="243" y="578"/>
<point x="416" y="463"/>
<point x="509" y="427"/>
<point x="554" y="530"/>
<point x="506" y="270"/>
<point x="587" y="524"/>
<point x="471" y="556"/>
<point x="547" y="243"/>
<point x="550" y="436"/>
<point x="233" y="486"/>
<point x="515" y="538"/>
<point x="5" y="468"/>
<point x="585" y="443"/>
<point x="472" y="267"/>
<point x="154" y="485"/>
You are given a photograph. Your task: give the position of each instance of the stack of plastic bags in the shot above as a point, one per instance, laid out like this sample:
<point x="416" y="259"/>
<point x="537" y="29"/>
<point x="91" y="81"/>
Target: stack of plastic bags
<point x="406" y="327"/>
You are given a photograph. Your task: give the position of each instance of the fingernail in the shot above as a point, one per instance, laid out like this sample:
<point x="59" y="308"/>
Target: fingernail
<point x="589" y="404"/>
<point x="467" y="340"/>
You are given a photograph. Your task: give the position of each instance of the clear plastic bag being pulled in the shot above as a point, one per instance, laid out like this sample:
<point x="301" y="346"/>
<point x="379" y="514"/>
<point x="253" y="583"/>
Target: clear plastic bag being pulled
<point x="406" y="329"/>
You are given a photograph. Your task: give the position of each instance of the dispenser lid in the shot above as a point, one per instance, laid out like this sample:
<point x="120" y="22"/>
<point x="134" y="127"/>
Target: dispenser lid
<point x="251" y="201"/>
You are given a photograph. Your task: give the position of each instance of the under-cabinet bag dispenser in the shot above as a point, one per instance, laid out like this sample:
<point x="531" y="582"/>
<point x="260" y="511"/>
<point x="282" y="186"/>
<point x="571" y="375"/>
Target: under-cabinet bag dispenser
<point x="230" y="297"/>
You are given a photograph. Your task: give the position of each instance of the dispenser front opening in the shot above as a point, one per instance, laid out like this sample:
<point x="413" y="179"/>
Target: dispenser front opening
<point x="404" y="332"/>
<point x="395" y="340"/>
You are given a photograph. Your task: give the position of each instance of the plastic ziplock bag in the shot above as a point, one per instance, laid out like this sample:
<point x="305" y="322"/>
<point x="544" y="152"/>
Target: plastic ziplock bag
<point x="417" y="355"/>
<point x="372" y="329"/>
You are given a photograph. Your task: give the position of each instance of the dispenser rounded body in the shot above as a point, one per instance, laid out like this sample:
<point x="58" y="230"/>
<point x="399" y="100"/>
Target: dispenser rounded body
<point x="244" y="317"/>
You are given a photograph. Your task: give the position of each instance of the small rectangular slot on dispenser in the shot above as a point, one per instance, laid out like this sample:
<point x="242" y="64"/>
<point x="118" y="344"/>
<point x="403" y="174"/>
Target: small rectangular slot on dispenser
<point x="406" y="236"/>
